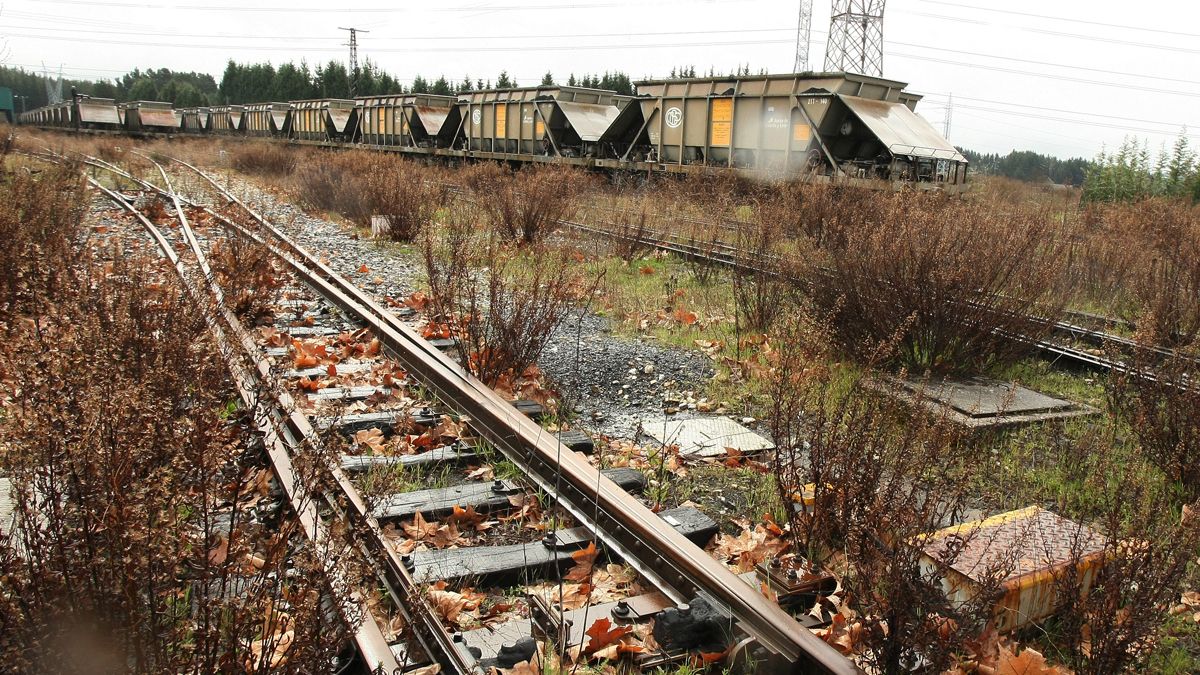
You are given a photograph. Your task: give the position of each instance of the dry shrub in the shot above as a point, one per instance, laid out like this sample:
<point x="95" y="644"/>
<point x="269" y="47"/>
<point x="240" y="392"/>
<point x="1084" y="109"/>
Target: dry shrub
<point x="950" y="283"/>
<point x="763" y="285"/>
<point x="405" y="194"/>
<point x="1162" y="242"/>
<point x="527" y="205"/>
<point x="1160" y="400"/>
<point x="706" y="238"/>
<point x="634" y="231"/>
<point x="1111" y="624"/>
<point x="328" y="182"/>
<point x="264" y="158"/>
<point x="129" y="551"/>
<point x="804" y="210"/>
<point x="359" y="185"/>
<point x="881" y="473"/>
<point x="40" y="219"/>
<point x="505" y="301"/>
<point x="245" y="271"/>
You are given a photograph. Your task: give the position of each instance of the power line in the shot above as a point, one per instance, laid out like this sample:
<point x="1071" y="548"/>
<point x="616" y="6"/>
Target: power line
<point x="1050" y="76"/>
<point x="1073" y="19"/>
<point x="408" y="38"/>
<point x="1046" y="63"/>
<point x="1089" y="123"/>
<point x="333" y="9"/>
<point x="1078" y="36"/>
<point x="1060" y="110"/>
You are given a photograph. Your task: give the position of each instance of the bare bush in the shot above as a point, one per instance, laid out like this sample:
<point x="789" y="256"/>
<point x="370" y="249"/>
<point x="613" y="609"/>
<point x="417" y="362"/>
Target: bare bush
<point x="133" y="548"/>
<point x="40" y="220"/>
<point x="360" y="185"/>
<point x="506" y="301"/>
<point x="763" y="284"/>
<point x="332" y="184"/>
<point x="404" y="194"/>
<point x="705" y="238"/>
<point x="965" y="287"/>
<point x="1160" y="400"/>
<point x="245" y="271"/>
<point x="527" y="205"/>
<point x="262" y="158"/>
<point x="876" y="473"/>
<point x="1109" y="622"/>
<point x="1165" y="285"/>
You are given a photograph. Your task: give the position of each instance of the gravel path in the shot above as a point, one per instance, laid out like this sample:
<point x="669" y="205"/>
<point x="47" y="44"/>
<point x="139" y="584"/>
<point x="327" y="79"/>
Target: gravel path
<point x="608" y="383"/>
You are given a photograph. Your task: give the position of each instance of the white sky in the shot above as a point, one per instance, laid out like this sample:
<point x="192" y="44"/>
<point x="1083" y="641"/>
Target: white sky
<point x="1118" y="68"/>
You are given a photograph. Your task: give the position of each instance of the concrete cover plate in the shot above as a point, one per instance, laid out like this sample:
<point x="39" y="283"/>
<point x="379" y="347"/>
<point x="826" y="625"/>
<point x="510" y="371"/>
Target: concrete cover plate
<point x="978" y="402"/>
<point x="987" y="398"/>
<point x="705" y="436"/>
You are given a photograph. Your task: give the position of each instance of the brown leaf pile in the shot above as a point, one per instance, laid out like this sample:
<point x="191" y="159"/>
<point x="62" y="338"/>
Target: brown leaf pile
<point x="749" y="548"/>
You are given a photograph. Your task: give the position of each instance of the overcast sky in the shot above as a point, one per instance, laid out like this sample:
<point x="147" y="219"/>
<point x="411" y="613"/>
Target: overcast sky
<point x="1057" y="77"/>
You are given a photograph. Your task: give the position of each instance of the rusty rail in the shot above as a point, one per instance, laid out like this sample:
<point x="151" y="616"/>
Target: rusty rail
<point x="249" y="382"/>
<point x="677" y="567"/>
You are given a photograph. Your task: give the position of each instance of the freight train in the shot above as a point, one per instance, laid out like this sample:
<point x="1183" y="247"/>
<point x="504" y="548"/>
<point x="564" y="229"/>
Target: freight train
<point x="837" y="126"/>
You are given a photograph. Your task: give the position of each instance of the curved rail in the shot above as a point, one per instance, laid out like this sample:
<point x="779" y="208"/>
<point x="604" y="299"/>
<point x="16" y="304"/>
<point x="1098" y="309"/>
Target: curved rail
<point x="679" y="568"/>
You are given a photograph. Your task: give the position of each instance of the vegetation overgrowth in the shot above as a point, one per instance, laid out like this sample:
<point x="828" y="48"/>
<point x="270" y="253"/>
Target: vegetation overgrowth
<point x="131" y="472"/>
<point x="860" y="289"/>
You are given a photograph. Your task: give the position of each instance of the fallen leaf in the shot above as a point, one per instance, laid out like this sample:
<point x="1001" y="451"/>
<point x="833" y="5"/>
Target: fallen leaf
<point x="371" y="438"/>
<point x="585" y="562"/>
<point x="1028" y="662"/>
<point x="685" y="317"/>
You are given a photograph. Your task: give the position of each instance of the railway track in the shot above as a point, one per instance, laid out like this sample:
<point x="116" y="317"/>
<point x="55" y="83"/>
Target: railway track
<point x="376" y="385"/>
<point x="1099" y="358"/>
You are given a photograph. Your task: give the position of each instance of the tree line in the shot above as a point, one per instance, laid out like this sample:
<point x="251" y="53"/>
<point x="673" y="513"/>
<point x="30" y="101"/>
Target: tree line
<point x="1029" y="166"/>
<point x="1132" y="173"/>
<point x="163" y="84"/>
<point x="259" y="82"/>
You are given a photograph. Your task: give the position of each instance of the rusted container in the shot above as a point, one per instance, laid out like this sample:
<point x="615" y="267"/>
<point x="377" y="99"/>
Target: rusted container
<point x="548" y="121"/>
<point x="1033" y="545"/>
<point x="834" y="124"/>
<point x="97" y="113"/>
<point x="226" y="119"/>
<point x="267" y="119"/>
<point x="327" y="119"/>
<point x="156" y="116"/>
<point x="190" y="120"/>
<point x="409" y="120"/>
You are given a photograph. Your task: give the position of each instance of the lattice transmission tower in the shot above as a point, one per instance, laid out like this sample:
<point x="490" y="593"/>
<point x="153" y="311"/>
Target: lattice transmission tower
<point x="353" y="45"/>
<point x="803" y="36"/>
<point x="54" y="86"/>
<point x="856" y="37"/>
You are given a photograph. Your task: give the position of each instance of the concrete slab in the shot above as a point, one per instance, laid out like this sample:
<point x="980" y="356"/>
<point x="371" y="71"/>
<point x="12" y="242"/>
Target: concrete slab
<point x="980" y="402"/>
<point x="979" y="397"/>
<point x="705" y="436"/>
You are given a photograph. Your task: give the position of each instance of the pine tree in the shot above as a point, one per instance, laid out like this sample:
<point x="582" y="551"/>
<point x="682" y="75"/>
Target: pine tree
<point x="548" y="79"/>
<point x="1181" y="170"/>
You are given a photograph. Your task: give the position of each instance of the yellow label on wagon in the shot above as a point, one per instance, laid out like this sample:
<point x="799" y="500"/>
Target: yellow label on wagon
<point x="722" y="121"/>
<point x="501" y="120"/>
<point x="801" y="133"/>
